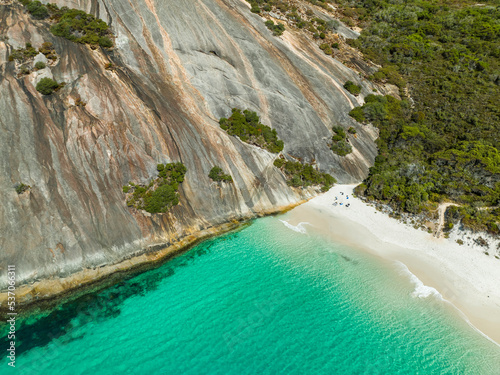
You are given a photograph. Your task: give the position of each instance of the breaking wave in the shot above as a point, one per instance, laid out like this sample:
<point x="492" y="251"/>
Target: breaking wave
<point x="421" y="290"/>
<point x="299" y="228"/>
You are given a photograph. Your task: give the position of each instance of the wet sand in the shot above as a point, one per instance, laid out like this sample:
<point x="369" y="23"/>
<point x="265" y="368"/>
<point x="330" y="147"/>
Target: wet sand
<point x="462" y="274"/>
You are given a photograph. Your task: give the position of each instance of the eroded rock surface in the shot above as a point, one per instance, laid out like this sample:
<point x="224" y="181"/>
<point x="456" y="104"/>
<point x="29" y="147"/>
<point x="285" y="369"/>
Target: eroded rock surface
<point x="180" y="66"/>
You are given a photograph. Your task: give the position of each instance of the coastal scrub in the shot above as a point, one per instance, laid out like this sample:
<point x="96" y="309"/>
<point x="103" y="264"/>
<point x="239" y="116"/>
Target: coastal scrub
<point x="160" y="195"/>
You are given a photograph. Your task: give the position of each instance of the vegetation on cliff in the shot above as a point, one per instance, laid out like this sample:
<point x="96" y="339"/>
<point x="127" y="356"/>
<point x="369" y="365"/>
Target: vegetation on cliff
<point x="301" y="17"/>
<point x="246" y="125"/>
<point x="161" y="193"/>
<point x="24" y="57"/>
<point x="445" y="143"/>
<point x="23" y="54"/>
<point x="47" y="86"/>
<point x="340" y="142"/>
<point x="21" y="188"/>
<point x="304" y="175"/>
<point x="72" y="24"/>
<point x="29" y="52"/>
<point x="277" y="29"/>
<point x="217" y="174"/>
<point x="352" y="88"/>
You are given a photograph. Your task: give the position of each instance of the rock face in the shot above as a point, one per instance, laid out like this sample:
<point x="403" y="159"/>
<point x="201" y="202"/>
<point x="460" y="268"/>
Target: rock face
<point x="180" y="66"/>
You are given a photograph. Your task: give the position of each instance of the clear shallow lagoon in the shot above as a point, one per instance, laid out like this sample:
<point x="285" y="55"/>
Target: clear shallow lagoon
<point x="264" y="300"/>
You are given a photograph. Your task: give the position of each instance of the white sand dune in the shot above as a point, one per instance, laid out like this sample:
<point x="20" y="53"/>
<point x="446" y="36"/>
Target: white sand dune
<point x="461" y="274"/>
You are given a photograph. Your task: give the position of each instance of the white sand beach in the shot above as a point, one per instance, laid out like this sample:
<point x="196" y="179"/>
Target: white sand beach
<point x="462" y="274"/>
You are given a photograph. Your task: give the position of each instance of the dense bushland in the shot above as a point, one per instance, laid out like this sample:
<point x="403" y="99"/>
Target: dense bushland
<point x="444" y="142"/>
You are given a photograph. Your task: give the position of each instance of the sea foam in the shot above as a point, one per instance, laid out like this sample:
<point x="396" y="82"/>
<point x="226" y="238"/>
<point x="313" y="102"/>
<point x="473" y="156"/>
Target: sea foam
<point x="421" y="290"/>
<point x="299" y="228"/>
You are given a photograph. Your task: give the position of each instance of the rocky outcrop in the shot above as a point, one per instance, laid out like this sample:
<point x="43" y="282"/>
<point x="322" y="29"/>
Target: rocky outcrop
<point x="180" y="66"/>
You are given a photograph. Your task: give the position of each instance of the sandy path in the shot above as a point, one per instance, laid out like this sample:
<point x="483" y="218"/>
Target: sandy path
<point x="442" y="210"/>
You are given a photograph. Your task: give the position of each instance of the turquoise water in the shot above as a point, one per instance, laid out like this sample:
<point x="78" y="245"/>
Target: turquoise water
<point x="264" y="300"/>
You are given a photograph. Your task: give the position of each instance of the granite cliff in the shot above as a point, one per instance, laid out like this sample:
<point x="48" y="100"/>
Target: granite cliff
<point x="179" y="66"/>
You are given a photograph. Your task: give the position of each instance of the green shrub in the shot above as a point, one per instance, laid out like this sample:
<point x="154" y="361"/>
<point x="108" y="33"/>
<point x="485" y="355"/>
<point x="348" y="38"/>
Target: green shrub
<point x="105" y="42"/>
<point x="277" y="29"/>
<point x="246" y="125"/>
<point x="46" y="48"/>
<point x="72" y="24"/>
<point x="23" y="54"/>
<point x="24" y="70"/>
<point x="255" y="8"/>
<point x="358" y="114"/>
<point x="279" y="162"/>
<point x="340" y="144"/>
<point x="217" y="174"/>
<point x="161" y="199"/>
<point x="338" y="130"/>
<point x="21" y="188"/>
<point x="46" y="86"/>
<point x="341" y="148"/>
<point x="161" y="193"/>
<point x="352" y="88"/>
<point x="304" y="175"/>
<point x="40" y="65"/>
<point x="37" y="10"/>
<point x="351" y="130"/>
<point x="332" y="25"/>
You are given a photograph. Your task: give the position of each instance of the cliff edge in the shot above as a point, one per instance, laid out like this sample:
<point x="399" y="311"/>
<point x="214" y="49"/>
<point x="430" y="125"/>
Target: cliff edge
<point x="178" y="67"/>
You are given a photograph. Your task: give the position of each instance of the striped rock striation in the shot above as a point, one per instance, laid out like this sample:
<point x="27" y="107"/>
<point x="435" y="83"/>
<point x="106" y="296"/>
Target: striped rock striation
<point x="179" y="66"/>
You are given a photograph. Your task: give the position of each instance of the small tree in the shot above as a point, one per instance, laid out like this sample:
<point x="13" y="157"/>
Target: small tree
<point x="21" y="188"/>
<point x="46" y="86"/>
<point x="333" y="25"/>
<point x="217" y="174"/>
<point x="37" y="10"/>
<point x="40" y="65"/>
<point x="24" y="70"/>
<point x="352" y="88"/>
<point x="255" y="8"/>
<point x="105" y="42"/>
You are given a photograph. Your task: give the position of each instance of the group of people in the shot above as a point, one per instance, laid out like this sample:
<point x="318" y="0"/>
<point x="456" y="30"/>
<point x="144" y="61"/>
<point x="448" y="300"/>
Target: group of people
<point x="341" y="203"/>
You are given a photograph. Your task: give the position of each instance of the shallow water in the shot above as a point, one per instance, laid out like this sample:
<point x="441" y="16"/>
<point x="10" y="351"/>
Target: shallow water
<point x="265" y="300"/>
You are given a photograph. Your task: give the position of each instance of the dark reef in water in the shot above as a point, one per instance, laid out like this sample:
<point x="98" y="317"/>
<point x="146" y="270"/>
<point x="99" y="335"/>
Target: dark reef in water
<point x="40" y="330"/>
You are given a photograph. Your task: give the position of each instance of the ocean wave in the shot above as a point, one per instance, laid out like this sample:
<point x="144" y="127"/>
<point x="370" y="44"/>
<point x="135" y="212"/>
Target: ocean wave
<point x="299" y="228"/>
<point x="421" y="290"/>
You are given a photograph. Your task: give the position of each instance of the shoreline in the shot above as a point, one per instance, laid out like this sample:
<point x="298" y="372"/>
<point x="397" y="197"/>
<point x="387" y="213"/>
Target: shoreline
<point x="461" y="275"/>
<point x="44" y="295"/>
